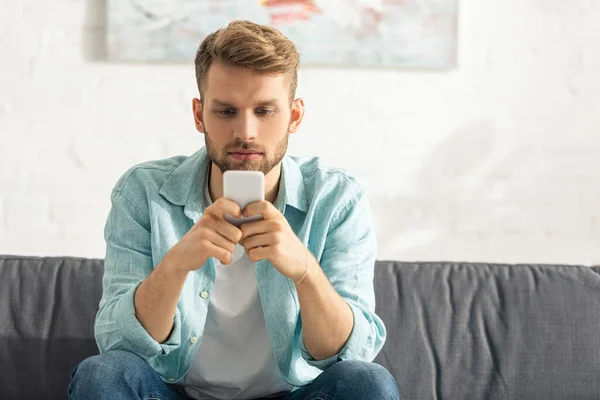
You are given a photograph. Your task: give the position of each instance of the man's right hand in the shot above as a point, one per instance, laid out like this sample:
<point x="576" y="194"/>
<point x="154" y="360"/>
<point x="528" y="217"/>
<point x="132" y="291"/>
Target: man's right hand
<point x="211" y="236"/>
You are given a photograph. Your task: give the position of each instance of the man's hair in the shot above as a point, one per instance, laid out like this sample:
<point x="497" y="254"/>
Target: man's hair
<point x="245" y="44"/>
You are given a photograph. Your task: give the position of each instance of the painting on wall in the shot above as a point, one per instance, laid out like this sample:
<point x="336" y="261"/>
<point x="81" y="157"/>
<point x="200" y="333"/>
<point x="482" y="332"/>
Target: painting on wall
<point x="363" y="33"/>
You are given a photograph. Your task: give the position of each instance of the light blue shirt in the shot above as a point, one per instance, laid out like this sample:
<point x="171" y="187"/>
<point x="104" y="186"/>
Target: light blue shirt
<point x="155" y="203"/>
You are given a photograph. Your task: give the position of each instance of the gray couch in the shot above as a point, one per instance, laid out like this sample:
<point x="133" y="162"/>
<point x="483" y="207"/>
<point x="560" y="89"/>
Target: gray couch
<point x="455" y="330"/>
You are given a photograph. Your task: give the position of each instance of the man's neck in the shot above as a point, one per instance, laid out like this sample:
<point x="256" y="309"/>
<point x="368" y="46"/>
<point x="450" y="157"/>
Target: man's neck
<point x="215" y="183"/>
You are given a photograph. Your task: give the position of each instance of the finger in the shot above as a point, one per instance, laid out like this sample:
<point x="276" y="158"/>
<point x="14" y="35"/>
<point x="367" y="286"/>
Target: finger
<point x="256" y="228"/>
<point x="228" y="231"/>
<point x="265" y="208"/>
<point x="259" y="253"/>
<point x="265" y="239"/>
<point x="225" y="206"/>
<point x="221" y="254"/>
<point x="220" y="241"/>
<point x="224" y="228"/>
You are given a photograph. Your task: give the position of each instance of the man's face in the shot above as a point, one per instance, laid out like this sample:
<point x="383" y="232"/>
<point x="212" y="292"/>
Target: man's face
<point x="246" y="118"/>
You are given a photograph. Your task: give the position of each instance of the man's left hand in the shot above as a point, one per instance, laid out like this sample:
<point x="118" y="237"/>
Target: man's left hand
<point x="273" y="239"/>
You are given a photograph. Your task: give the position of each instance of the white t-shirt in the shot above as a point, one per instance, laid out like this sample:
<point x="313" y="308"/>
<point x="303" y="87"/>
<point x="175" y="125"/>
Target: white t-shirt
<point x="235" y="359"/>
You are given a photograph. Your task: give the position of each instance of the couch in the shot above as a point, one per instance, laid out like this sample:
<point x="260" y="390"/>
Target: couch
<point x="455" y="330"/>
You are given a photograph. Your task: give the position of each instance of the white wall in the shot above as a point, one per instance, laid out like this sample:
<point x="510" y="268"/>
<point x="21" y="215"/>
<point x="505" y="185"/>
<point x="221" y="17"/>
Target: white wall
<point x="494" y="161"/>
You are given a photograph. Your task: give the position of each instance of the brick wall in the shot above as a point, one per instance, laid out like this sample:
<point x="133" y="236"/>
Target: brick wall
<point x="497" y="160"/>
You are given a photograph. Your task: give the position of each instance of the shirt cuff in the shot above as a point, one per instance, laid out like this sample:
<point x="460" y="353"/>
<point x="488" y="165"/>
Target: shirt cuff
<point x="352" y="348"/>
<point x="138" y="338"/>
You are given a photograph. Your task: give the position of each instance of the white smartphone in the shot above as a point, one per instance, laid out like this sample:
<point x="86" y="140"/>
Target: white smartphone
<point x="243" y="187"/>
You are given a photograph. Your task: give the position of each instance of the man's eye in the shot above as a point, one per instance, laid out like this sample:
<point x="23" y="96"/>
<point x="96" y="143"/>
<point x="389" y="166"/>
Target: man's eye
<point x="226" y="112"/>
<point x="264" y="111"/>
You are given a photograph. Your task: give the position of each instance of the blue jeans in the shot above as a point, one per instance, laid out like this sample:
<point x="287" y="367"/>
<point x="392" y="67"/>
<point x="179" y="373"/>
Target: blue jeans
<point x="118" y="375"/>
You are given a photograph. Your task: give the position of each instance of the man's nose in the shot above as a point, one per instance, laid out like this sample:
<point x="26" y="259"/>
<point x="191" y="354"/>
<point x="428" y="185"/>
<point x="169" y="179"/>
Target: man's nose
<point x="246" y="127"/>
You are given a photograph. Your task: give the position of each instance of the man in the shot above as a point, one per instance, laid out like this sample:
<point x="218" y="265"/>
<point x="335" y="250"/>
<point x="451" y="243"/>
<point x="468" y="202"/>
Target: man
<point x="194" y="307"/>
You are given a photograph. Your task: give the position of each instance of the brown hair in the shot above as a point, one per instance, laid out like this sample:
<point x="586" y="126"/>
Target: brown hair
<point x="246" y="44"/>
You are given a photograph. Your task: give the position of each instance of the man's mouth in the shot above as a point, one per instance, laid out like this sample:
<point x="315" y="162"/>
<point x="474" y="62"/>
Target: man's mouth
<point x="245" y="154"/>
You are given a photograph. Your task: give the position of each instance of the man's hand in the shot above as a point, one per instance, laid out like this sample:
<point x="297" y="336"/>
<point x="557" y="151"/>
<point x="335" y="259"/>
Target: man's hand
<point x="211" y="236"/>
<point x="273" y="239"/>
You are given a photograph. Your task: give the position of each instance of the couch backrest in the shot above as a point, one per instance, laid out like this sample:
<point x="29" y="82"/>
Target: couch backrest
<point x="47" y="311"/>
<point x="480" y="331"/>
<point x="455" y="330"/>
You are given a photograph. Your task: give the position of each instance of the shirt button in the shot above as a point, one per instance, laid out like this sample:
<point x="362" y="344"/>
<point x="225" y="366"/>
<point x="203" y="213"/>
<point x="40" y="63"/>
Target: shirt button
<point x="194" y="339"/>
<point x="204" y="294"/>
<point x="171" y="379"/>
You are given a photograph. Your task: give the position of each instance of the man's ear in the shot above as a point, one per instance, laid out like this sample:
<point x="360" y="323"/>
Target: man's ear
<point x="197" y="108"/>
<point x="297" y="115"/>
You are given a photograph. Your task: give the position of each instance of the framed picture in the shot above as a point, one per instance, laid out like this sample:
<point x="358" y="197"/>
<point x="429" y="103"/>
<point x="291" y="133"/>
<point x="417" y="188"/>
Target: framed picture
<point x="363" y="33"/>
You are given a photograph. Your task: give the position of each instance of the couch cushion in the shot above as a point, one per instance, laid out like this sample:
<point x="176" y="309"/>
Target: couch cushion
<point x="47" y="311"/>
<point x="478" y="331"/>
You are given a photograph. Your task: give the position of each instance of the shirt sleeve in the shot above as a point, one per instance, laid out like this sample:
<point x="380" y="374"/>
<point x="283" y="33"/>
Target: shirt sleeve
<point x="348" y="260"/>
<point x="127" y="263"/>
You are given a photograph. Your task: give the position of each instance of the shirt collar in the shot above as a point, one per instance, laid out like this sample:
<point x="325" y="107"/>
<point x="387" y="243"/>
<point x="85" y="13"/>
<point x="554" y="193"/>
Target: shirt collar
<point x="186" y="185"/>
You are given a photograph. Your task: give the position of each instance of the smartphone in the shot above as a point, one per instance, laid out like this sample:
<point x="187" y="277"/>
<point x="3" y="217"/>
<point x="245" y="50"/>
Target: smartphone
<point x="243" y="187"/>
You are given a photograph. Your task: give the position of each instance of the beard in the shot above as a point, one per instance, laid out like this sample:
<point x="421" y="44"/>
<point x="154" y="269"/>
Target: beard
<point x="265" y="163"/>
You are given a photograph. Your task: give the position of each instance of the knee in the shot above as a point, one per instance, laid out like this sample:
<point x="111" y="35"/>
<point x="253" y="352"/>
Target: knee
<point x="112" y="366"/>
<point x="371" y="379"/>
